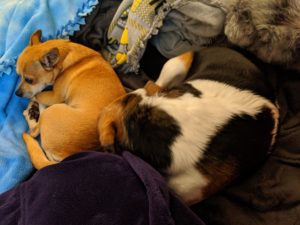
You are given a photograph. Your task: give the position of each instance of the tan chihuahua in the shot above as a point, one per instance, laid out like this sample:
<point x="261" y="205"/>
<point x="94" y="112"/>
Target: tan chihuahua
<point x="83" y="84"/>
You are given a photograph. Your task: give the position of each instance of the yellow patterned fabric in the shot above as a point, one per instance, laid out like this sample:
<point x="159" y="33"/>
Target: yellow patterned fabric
<point x="181" y="25"/>
<point x="129" y="30"/>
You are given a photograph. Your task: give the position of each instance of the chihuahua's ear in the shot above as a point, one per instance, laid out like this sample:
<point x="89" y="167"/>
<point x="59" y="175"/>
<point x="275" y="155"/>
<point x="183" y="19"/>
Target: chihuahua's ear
<point x="50" y="59"/>
<point x="35" y="38"/>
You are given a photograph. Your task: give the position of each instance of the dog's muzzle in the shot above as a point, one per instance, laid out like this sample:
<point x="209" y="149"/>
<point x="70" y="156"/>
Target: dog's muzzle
<point x="19" y="93"/>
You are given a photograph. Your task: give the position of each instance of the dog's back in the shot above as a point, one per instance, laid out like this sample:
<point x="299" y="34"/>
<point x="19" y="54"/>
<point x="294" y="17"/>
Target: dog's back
<point x="204" y="133"/>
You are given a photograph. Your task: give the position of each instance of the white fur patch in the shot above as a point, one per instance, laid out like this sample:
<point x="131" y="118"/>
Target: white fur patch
<point x="189" y="185"/>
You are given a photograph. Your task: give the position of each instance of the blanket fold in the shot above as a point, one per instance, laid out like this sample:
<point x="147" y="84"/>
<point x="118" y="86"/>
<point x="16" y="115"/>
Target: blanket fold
<point x="95" y="188"/>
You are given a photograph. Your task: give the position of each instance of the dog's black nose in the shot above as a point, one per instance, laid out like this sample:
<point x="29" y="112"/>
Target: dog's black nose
<point x="19" y="93"/>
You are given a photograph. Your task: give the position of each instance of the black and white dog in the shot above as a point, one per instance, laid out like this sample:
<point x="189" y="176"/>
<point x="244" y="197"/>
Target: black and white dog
<point x="202" y="133"/>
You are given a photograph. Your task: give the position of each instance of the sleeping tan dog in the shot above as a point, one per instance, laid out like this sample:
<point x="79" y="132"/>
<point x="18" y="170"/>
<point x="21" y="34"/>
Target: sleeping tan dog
<point x="83" y="83"/>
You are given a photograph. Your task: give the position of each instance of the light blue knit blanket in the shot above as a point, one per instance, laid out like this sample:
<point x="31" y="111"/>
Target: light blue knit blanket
<point x="18" y="20"/>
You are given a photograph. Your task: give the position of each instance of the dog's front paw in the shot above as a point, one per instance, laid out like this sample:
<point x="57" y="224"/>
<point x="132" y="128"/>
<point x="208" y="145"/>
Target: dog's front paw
<point x="32" y="114"/>
<point x="34" y="111"/>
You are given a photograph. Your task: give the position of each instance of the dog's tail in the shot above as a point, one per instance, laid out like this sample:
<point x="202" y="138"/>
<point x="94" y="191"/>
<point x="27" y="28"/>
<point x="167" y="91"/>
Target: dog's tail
<point x="175" y="70"/>
<point x="36" y="153"/>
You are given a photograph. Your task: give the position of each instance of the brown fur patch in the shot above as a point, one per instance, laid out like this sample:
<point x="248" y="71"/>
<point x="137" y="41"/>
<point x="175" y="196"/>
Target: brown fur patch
<point x="187" y="58"/>
<point x="219" y="173"/>
<point x="151" y="88"/>
<point x="181" y="90"/>
<point x="111" y="125"/>
<point x="175" y="93"/>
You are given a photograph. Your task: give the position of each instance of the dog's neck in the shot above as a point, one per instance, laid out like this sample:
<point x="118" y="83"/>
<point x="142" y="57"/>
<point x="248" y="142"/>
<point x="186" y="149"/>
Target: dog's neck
<point x="71" y="55"/>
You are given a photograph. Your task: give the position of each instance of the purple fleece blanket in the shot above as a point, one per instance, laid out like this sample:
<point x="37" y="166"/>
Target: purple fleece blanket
<point x="95" y="188"/>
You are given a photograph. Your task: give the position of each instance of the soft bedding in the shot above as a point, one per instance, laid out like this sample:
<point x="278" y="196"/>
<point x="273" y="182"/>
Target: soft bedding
<point x="95" y="188"/>
<point x="19" y="19"/>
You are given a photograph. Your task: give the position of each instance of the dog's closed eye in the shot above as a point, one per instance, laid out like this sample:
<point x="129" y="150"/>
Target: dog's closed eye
<point x="28" y="80"/>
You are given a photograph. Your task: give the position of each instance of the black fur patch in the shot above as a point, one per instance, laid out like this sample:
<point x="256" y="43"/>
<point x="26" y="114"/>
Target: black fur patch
<point x="245" y="139"/>
<point x="151" y="132"/>
<point x="181" y="90"/>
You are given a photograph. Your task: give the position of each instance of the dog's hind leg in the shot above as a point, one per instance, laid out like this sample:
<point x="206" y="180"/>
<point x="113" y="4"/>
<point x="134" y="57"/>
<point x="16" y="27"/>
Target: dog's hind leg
<point x="66" y="130"/>
<point x="36" y="154"/>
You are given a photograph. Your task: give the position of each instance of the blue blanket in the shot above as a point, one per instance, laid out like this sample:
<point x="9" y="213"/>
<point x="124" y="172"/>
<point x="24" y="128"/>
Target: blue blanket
<point x="18" y="20"/>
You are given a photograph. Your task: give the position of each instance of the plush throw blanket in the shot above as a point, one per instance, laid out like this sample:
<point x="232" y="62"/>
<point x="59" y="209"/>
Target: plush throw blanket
<point x="18" y="20"/>
<point x="95" y="188"/>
